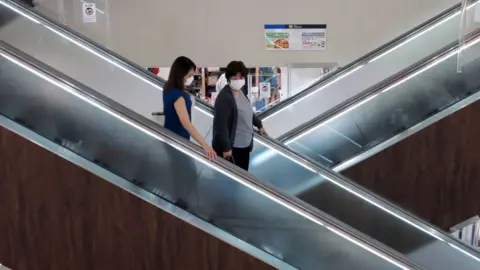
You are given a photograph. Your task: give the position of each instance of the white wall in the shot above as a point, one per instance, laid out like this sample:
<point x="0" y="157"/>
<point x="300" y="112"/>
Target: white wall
<point x="139" y="32"/>
<point x="213" y="32"/>
<point x="367" y="75"/>
<point x="304" y="75"/>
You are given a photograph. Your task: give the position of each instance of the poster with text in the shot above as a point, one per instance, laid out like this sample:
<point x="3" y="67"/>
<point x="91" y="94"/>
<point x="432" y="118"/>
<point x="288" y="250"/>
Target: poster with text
<point x="295" y="36"/>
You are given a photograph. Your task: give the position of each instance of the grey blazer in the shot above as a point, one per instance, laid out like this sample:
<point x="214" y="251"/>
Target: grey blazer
<point x="225" y="121"/>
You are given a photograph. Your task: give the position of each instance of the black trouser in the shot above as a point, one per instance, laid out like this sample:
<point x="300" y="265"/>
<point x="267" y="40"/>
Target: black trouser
<point x="240" y="157"/>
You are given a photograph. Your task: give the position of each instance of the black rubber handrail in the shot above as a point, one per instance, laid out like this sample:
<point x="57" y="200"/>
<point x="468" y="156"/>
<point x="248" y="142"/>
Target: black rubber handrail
<point x="204" y="105"/>
<point x="244" y="177"/>
<point x="319" y="119"/>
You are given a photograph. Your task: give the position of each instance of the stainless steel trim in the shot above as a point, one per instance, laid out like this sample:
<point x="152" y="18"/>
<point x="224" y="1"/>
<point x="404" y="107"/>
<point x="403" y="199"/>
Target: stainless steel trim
<point x="331" y="174"/>
<point x="355" y="188"/>
<point x="293" y="202"/>
<point x="407" y="133"/>
<point x="313" y="123"/>
<point x="226" y="167"/>
<point x="359" y="191"/>
<point x="361" y="61"/>
<point x="143" y="195"/>
<point x="89" y="43"/>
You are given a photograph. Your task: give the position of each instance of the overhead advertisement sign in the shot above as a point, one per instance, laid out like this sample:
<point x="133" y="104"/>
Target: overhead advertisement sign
<point x="295" y="36"/>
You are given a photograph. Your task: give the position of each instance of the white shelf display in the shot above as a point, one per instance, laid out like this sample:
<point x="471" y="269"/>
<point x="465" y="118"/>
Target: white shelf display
<point x="468" y="232"/>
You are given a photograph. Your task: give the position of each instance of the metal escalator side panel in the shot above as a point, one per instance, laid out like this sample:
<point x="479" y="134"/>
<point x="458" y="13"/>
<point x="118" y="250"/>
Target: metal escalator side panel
<point x="82" y="59"/>
<point x="391" y="111"/>
<point x="62" y="111"/>
<point x="355" y="81"/>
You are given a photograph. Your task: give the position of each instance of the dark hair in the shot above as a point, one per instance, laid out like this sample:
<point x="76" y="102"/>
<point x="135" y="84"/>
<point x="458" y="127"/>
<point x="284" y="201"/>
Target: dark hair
<point x="235" y="67"/>
<point x="180" y="68"/>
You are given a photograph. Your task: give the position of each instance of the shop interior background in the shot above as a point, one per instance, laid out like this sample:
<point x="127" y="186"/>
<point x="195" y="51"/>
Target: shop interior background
<point x="282" y="82"/>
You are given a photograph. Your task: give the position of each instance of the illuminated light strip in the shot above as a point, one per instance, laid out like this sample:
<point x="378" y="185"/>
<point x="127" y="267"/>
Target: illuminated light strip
<point x="319" y="89"/>
<point x="421" y="33"/>
<point x="399" y="82"/>
<point x="20" y="12"/>
<point x="75" y="93"/>
<point x="103" y="57"/>
<point x="376" y="58"/>
<point x="464" y="252"/>
<point x="381" y="207"/>
<point x="372" y="251"/>
<point x="156" y="86"/>
<point x="270" y="152"/>
<point x="350" y="108"/>
<point x="83" y="46"/>
<point x="286" y="156"/>
<point x="432" y="232"/>
<point x="414" y="37"/>
<point x="428" y="231"/>
<point x="209" y="164"/>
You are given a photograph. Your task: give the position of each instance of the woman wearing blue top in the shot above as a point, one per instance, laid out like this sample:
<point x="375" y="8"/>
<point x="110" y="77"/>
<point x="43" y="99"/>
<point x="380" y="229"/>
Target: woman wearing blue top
<point x="177" y="104"/>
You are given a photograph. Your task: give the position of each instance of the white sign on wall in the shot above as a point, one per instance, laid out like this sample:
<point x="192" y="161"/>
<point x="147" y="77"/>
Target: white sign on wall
<point x="295" y="36"/>
<point x="89" y="11"/>
<point x="265" y="89"/>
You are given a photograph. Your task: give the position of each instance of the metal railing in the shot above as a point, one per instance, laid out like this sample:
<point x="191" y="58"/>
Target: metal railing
<point x="361" y="61"/>
<point x="297" y="204"/>
<point x="374" y="90"/>
<point x="220" y="165"/>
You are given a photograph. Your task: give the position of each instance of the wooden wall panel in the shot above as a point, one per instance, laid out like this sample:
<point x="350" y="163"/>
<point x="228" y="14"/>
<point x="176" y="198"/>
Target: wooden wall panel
<point x="55" y="215"/>
<point x="434" y="173"/>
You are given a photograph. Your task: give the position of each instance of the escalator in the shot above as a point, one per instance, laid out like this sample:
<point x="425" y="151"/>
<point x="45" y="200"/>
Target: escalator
<point x="40" y="105"/>
<point x="391" y="110"/>
<point x="418" y="110"/>
<point x="108" y="73"/>
<point x="369" y="70"/>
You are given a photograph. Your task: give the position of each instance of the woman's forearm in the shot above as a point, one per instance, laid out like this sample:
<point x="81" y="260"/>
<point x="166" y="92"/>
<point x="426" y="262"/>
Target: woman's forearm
<point x="195" y="134"/>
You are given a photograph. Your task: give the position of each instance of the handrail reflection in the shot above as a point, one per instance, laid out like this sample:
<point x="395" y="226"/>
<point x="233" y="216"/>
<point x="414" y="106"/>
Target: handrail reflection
<point x="364" y="60"/>
<point x="85" y="42"/>
<point x="372" y="92"/>
<point x="194" y="151"/>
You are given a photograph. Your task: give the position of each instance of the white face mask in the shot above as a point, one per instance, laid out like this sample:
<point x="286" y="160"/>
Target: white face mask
<point x="237" y="84"/>
<point x="189" y="81"/>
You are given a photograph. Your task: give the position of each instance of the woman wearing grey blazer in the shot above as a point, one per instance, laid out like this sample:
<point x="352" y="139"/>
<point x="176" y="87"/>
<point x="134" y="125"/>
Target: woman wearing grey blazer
<point x="234" y="119"/>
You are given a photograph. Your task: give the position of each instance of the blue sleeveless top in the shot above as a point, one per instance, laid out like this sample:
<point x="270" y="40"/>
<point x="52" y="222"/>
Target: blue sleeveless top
<point x="172" y="122"/>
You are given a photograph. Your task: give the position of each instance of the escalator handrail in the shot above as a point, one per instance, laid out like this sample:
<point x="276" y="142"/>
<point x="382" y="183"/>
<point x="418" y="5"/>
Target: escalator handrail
<point x="89" y="43"/>
<point x="330" y="174"/>
<point x="359" y="62"/>
<point x="340" y="180"/>
<point x="340" y="108"/>
<point x="221" y="165"/>
<point x="360" y="191"/>
<point x="157" y="80"/>
<point x="106" y="53"/>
